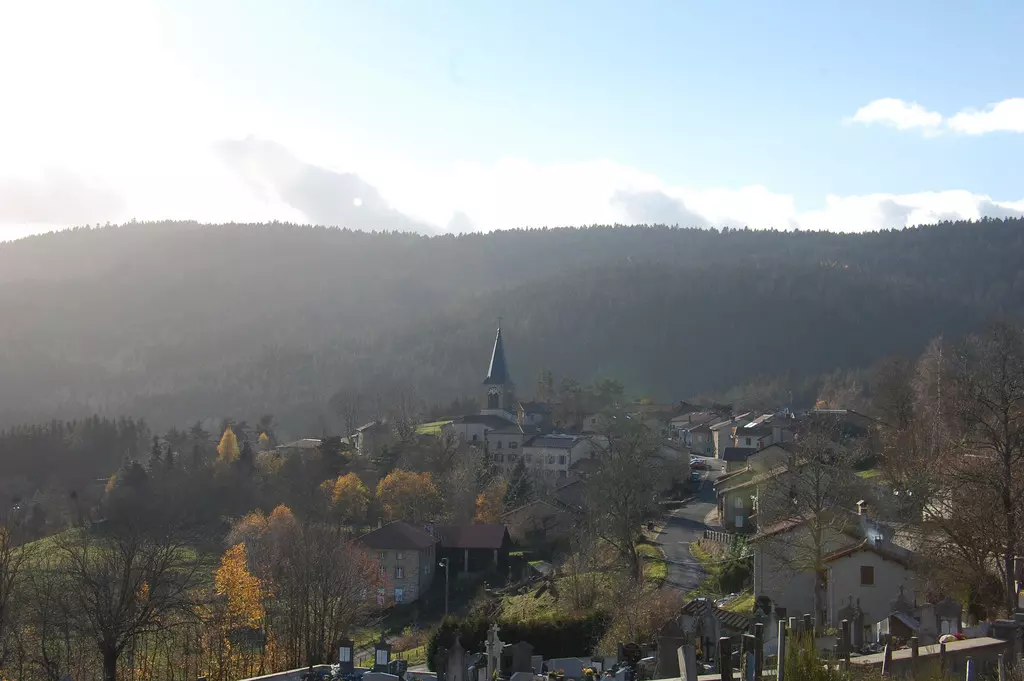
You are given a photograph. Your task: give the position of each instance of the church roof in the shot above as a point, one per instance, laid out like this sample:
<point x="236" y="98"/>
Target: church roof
<point x="497" y="372"/>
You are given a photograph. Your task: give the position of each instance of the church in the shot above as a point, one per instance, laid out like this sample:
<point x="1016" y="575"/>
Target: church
<point x="507" y="429"/>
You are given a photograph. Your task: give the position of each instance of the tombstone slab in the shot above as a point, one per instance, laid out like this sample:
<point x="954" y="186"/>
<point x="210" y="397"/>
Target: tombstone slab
<point x="571" y="666"/>
<point x="379" y="676"/>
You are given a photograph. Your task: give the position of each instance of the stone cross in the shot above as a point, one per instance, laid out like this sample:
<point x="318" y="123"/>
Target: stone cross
<point x="493" y="650"/>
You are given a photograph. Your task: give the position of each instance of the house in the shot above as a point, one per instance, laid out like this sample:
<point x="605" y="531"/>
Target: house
<point x="694" y="430"/>
<point x="736" y="457"/>
<point x="369" y="439"/>
<point x="475" y="548"/>
<point x="736" y="493"/>
<point x="305" y="447"/>
<point x="539" y="524"/>
<point x="862" y="566"/>
<point x="722" y="432"/>
<point x="551" y="455"/>
<point x="407" y="558"/>
<point x="535" y="414"/>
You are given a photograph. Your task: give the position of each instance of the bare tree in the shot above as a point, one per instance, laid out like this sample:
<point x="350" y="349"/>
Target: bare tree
<point x="348" y="405"/>
<point x="811" y="498"/>
<point x="987" y="382"/>
<point x="621" y="493"/>
<point x="123" y="583"/>
<point x="13" y="555"/>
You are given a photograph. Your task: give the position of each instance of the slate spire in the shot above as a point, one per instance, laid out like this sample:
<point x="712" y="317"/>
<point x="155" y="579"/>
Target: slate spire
<point x="497" y="372"/>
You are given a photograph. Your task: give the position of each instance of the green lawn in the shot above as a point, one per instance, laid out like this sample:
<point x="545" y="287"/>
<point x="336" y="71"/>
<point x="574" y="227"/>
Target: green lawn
<point x="744" y="603"/>
<point x="869" y="473"/>
<point x="432" y="428"/>
<point x="655" y="566"/>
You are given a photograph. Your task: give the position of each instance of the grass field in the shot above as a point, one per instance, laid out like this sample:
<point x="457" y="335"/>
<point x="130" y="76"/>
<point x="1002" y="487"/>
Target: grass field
<point x="432" y="428"/>
<point x="655" y="566"/>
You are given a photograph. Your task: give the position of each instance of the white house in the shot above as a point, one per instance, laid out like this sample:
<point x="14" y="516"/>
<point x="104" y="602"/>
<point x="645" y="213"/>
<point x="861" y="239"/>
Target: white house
<point x="552" y="455"/>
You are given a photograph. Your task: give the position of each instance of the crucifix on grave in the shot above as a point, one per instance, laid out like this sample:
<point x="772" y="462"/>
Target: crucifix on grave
<point x="493" y="650"/>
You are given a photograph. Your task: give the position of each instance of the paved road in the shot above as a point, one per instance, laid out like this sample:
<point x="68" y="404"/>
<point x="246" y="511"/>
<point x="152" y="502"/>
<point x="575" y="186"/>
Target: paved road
<point x="684" y="526"/>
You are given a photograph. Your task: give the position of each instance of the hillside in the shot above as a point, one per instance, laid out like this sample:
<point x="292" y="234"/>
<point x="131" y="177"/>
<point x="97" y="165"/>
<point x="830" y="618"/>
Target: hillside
<point x="179" y="321"/>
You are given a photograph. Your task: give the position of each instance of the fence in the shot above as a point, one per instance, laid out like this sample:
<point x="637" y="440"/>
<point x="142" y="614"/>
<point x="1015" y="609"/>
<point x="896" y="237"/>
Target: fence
<point x="719" y="537"/>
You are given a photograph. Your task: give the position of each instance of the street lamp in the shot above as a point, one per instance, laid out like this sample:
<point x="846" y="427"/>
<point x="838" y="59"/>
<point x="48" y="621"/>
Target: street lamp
<point x="444" y="563"/>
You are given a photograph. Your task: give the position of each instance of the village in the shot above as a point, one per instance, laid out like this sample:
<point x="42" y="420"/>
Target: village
<point x="758" y="526"/>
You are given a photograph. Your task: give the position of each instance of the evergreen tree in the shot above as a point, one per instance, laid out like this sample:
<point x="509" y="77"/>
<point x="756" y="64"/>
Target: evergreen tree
<point x="520" y="489"/>
<point x="246" y="460"/>
<point x="156" y="458"/>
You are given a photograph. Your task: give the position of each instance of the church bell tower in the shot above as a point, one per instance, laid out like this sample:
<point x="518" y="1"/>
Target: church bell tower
<point x="500" y="390"/>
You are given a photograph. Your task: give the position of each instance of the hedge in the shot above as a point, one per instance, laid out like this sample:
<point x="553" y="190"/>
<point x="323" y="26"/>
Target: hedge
<point x="550" y="637"/>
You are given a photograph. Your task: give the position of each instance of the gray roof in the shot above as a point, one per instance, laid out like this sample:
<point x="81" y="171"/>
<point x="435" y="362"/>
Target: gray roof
<point x="737" y="453"/>
<point x="497" y="371"/>
<point x="554" y="441"/>
<point x="491" y="421"/>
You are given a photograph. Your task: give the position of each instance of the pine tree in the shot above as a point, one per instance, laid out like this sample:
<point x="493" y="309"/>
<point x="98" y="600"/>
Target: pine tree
<point x="156" y="455"/>
<point x="246" y="460"/>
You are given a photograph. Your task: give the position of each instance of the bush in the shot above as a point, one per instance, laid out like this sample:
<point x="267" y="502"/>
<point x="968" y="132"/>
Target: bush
<point x="550" y="637"/>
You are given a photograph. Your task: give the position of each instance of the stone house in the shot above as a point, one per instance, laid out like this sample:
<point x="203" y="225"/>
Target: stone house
<point x="539" y="524"/>
<point x="407" y="558"/>
<point x="861" y="562"/>
<point x="552" y="455"/>
<point x="370" y="438"/>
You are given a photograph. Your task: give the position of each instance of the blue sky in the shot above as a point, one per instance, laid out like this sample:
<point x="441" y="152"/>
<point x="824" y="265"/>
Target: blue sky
<point x="550" y="113"/>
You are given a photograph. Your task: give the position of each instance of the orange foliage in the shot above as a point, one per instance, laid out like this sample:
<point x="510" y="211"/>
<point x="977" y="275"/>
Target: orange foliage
<point x="490" y="503"/>
<point x="409" y="496"/>
<point x="242" y="589"/>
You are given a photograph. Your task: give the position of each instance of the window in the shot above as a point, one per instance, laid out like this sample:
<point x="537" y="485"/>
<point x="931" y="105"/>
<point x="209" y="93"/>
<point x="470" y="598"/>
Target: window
<point x="551" y="458"/>
<point x="497" y="445"/>
<point x="399" y="556"/>
<point x="426" y="567"/>
<point x="748" y="441"/>
<point x="513" y="445"/>
<point x="561" y="474"/>
<point x="382" y="555"/>
<point x="499" y="457"/>
<point x="513" y="457"/>
<point x="561" y="460"/>
<point x="867" y="575"/>
<point x="739" y="522"/>
<point x="475" y="437"/>
<point x="738" y="503"/>
<point x="383" y="570"/>
<point x="399" y="595"/>
<point x="380" y="596"/>
<point x="399" y="572"/>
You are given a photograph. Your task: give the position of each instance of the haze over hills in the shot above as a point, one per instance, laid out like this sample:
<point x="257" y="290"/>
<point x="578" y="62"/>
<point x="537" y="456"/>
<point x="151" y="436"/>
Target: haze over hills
<point x="180" y="321"/>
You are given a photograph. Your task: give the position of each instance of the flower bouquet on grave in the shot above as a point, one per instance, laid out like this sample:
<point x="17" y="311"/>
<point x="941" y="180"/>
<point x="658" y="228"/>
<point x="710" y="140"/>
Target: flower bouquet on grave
<point x="589" y="674"/>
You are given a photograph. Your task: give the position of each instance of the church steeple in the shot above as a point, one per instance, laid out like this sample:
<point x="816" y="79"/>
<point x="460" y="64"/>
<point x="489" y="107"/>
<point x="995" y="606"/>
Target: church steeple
<point x="500" y="391"/>
<point x="497" y="372"/>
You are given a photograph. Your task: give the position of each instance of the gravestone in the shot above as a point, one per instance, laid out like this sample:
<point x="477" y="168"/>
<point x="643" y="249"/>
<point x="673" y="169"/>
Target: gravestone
<point x="520" y="657"/>
<point x="441" y="663"/>
<point x="670" y="638"/>
<point x="572" y="666"/>
<point x="523" y="676"/>
<point x="379" y="676"/>
<point x="620" y="674"/>
<point x="536" y="663"/>
<point x="456" y="668"/>
<point x="493" y="649"/>
<point x="381" y="655"/>
<point x="398" y="668"/>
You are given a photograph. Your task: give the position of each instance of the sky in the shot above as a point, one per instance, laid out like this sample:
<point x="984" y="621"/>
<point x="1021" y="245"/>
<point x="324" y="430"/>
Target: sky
<point x="461" y="116"/>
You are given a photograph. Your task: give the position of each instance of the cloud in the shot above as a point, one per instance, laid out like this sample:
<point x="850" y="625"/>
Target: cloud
<point x="898" y="114"/>
<point x="656" y="207"/>
<point x="1004" y="116"/>
<point x="324" y="196"/>
<point x="57" y="197"/>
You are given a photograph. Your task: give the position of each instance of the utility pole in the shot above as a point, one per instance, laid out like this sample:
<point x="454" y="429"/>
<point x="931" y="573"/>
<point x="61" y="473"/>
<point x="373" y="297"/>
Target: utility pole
<point x="444" y="563"/>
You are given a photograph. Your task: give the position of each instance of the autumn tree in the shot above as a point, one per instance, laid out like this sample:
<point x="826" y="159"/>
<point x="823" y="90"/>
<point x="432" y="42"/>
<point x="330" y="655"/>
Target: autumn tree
<point x="349" y="498"/>
<point x="240" y="588"/>
<point x="227" y="449"/>
<point x="490" y="502"/>
<point x="404" y="495"/>
<point x="13" y="555"/>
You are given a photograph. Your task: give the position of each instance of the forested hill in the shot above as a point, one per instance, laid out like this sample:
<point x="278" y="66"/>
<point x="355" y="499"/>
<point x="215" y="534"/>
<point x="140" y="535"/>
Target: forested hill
<point x="179" y="321"/>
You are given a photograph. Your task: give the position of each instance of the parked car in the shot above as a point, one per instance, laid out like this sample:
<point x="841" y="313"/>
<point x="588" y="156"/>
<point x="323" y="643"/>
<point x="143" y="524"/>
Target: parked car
<point x="694" y="476"/>
<point x="698" y="463"/>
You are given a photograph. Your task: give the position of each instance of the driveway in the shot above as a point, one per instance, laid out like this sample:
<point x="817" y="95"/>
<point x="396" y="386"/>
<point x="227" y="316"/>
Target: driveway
<point x="684" y="526"/>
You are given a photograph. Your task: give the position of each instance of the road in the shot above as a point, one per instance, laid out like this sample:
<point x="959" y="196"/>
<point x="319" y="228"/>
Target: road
<point x="686" y="525"/>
